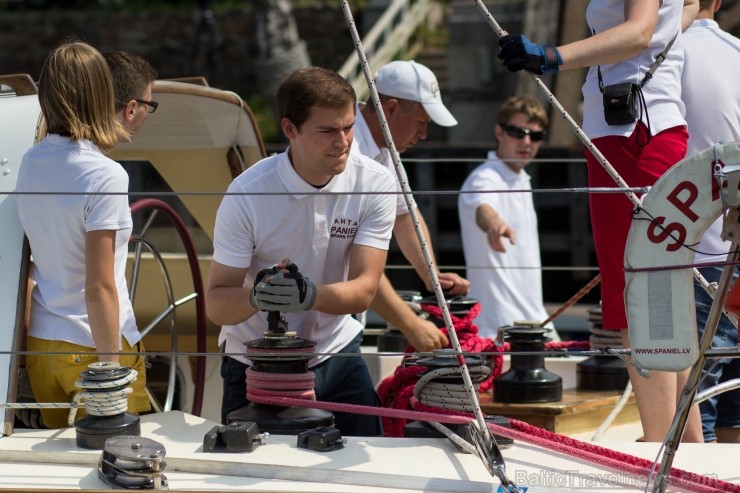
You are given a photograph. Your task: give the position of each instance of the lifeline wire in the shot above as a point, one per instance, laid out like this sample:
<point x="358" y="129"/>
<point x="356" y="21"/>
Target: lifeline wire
<point x="588" y="190"/>
<point x="420" y="235"/>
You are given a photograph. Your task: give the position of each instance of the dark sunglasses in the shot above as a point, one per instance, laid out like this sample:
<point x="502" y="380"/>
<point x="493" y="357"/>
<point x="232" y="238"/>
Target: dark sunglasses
<point x="153" y="105"/>
<point x="519" y="133"/>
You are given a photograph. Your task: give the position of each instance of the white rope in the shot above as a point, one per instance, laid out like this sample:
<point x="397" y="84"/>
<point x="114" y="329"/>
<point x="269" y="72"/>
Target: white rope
<point x="614" y="413"/>
<point x="98" y="397"/>
<point x="97" y="401"/>
<point x="444" y="394"/>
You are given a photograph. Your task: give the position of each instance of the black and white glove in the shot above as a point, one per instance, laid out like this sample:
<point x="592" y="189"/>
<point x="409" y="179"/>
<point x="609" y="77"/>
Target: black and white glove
<point x="259" y="278"/>
<point x="284" y="292"/>
<point x="519" y="53"/>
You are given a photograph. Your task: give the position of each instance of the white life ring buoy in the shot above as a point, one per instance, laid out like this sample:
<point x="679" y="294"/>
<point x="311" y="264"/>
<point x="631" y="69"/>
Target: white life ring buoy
<point x="659" y="297"/>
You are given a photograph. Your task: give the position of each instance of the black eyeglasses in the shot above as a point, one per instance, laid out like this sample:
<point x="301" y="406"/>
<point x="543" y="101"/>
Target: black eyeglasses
<point x="153" y="105"/>
<point x="519" y="133"/>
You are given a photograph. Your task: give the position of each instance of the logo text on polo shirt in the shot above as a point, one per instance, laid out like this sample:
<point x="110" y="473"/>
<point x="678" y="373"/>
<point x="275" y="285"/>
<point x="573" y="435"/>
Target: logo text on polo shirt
<point x="343" y="228"/>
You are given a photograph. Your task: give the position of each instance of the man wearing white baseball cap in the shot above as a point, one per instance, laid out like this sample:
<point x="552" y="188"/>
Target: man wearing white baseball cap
<point x="410" y="98"/>
<point x="414" y="82"/>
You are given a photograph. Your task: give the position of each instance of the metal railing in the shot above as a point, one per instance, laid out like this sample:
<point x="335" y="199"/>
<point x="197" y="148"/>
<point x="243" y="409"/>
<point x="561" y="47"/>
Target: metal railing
<point x="387" y="38"/>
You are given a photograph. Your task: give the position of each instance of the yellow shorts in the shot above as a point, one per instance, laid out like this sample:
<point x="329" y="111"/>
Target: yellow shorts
<point x="53" y="376"/>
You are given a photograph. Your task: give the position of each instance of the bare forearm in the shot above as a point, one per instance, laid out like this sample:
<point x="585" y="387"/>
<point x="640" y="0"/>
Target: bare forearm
<point x="229" y="305"/>
<point x="392" y="308"/>
<point x="102" y="312"/>
<point x="487" y="218"/>
<point x="344" y="297"/>
<point x="423" y="335"/>
<point x="408" y="242"/>
<point x="617" y="44"/>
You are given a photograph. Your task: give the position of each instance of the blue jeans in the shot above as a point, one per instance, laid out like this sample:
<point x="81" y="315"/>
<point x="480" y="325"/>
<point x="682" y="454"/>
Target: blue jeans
<point x="721" y="411"/>
<point x="344" y="379"/>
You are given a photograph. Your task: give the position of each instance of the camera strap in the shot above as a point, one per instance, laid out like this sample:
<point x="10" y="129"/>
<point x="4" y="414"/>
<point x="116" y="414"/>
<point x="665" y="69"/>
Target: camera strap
<point x="649" y="74"/>
<point x="658" y="60"/>
<point x="638" y="88"/>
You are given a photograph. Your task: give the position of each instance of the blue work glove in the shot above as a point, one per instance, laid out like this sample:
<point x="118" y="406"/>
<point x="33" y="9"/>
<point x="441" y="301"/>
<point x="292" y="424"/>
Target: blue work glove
<point x="519" y="53"/>
<point x="284" y="292"/>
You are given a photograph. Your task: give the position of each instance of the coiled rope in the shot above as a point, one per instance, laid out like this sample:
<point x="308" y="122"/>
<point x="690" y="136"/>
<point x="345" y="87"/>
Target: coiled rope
<point x="431" y="392"/>
<point x="108" y="397"/>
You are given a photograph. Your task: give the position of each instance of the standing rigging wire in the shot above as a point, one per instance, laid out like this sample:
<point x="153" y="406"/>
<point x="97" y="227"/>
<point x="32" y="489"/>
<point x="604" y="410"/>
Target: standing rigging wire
<point x="486" y="435"/>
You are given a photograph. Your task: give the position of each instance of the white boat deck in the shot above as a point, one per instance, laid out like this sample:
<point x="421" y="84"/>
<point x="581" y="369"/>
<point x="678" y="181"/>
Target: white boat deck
<point x="49" y="459"/>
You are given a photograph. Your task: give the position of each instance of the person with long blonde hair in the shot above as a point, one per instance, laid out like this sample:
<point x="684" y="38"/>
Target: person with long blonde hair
<point x="73" y="207"/>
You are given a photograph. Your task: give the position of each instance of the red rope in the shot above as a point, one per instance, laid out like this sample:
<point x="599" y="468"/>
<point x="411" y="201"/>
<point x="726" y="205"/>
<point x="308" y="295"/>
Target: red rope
<point x="395" y="391"/>
<point x="607" y="457"/>
<point x="525" y="432"/>
<point x="397" y="397"/>
<point x="297" y="385"/>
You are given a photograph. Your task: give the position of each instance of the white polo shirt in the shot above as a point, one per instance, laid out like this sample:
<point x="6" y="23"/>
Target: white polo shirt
<point x="508" y="285"/>
<point x="365" y="145"/>
<point x="314" y="228"/>
<point x="710" y="74"/>
<point x="56" y="226"/>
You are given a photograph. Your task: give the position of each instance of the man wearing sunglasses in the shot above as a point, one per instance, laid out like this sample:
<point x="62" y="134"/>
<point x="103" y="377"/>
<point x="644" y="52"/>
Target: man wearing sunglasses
<point x="499" y="229"/>
<point x="132" y="85"/>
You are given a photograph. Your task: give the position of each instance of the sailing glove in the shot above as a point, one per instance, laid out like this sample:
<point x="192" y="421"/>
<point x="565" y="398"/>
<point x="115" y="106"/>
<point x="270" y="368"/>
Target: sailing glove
<point x="284" y="292"/>
<point x="519" y="53"/>
<point x="258" y="280"/>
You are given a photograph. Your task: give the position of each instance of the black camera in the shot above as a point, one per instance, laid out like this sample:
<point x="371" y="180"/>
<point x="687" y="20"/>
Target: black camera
<point x="620" y="103"/>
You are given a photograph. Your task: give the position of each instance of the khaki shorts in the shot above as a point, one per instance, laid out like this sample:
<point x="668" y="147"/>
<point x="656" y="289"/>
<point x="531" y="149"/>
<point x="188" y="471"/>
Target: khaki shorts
<point x="53" y="376"/>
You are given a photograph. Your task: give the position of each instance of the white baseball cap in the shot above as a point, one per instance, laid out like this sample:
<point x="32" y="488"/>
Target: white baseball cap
<point x="414" y="82"/>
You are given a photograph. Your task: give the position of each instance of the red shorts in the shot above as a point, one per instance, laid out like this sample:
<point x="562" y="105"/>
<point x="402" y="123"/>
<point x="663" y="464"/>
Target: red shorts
<point x="611" y="213"/>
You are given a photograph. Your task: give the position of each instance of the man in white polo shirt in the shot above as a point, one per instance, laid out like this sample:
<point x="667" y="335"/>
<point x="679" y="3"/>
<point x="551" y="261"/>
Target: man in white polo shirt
<point x="499" y="230"/>
<point x="338" y="240"/>
<point x="410" y="97"/>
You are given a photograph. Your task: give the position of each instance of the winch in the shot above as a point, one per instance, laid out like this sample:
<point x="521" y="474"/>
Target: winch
<point x="105" y="386"/>
<point x="133" y="463"/>
<point x="266" y="358"/>
<point x="602" y="372"/>
<point x="527" y="380"/>
<point x="458" y="306"/>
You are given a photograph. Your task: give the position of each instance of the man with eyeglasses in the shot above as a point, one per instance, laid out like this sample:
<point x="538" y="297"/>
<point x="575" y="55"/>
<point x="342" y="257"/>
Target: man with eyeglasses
<point x="132" y="84"/>
<point x="499" y="229"/>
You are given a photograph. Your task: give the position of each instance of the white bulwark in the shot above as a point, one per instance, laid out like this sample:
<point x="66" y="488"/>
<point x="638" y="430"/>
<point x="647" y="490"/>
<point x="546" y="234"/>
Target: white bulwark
<point x="20" y="115"/>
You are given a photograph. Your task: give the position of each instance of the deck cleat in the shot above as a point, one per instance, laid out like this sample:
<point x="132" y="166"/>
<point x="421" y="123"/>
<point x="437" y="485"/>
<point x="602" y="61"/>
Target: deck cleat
<point x="234" y="438"/>
<point x="133" y="463"/>
<point x="322" y="439"/>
